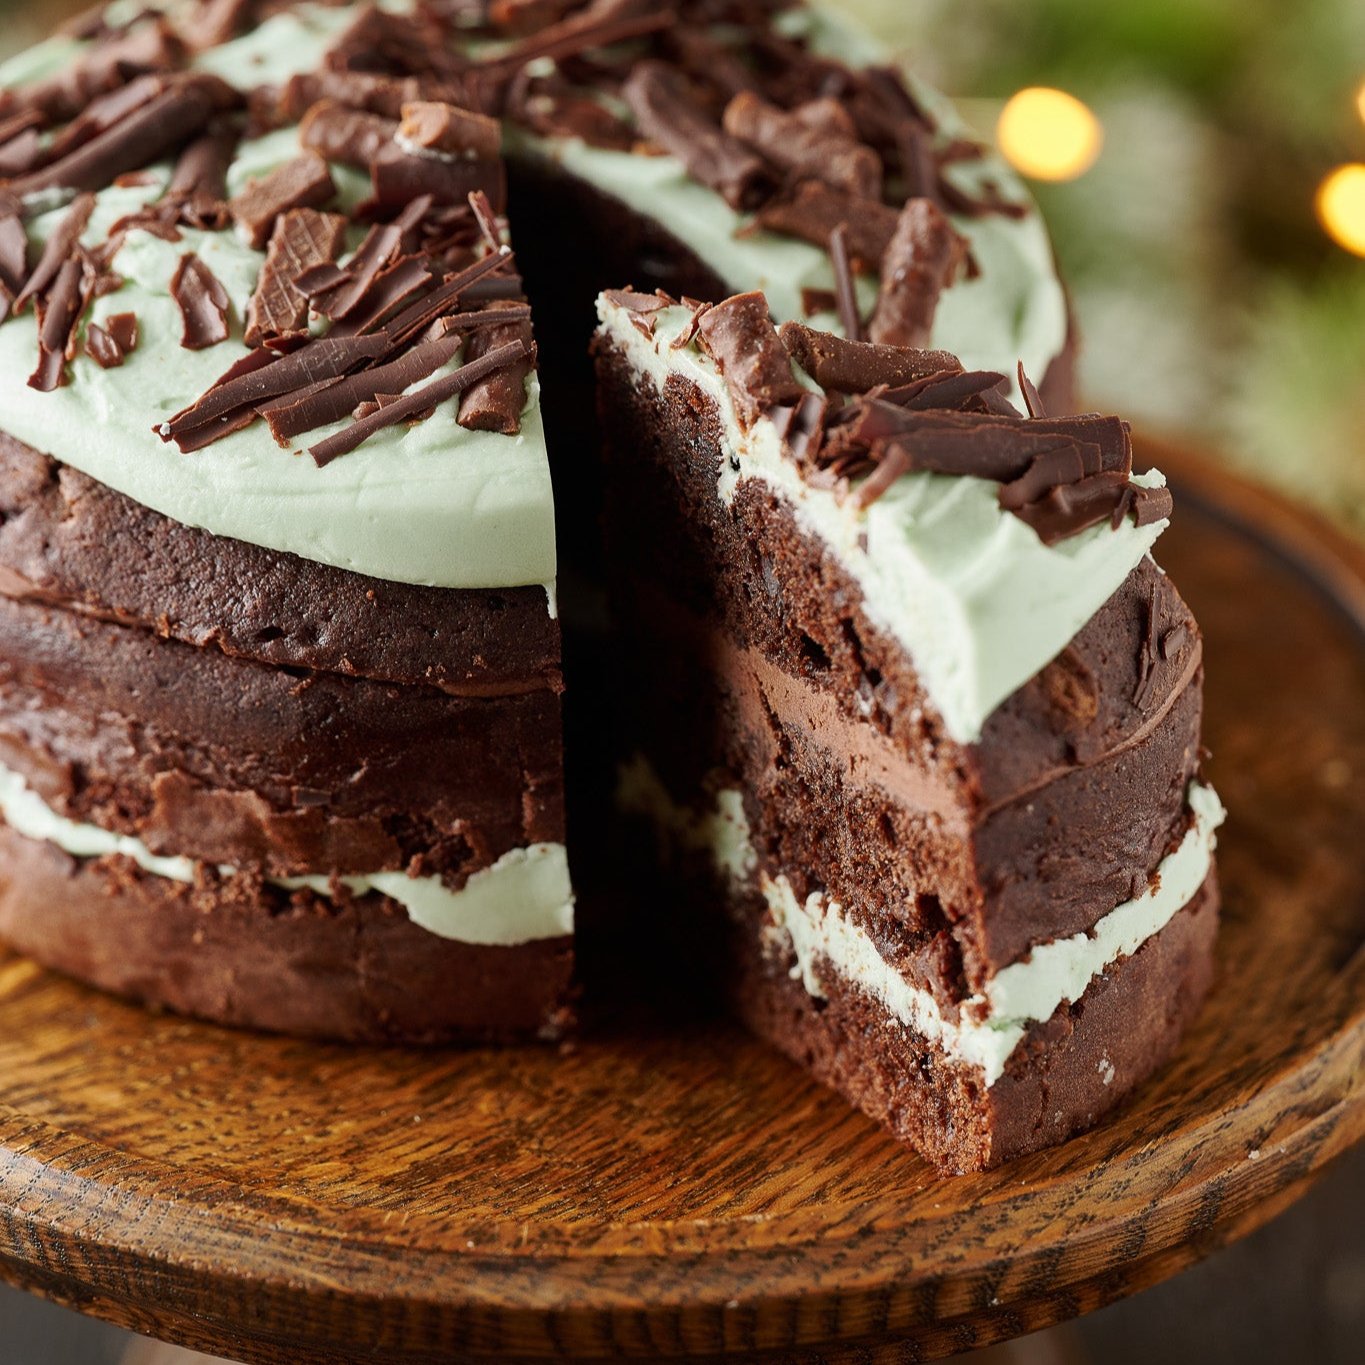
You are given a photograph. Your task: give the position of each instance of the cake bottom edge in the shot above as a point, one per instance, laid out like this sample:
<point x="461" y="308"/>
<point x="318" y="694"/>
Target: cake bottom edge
<point x="241" y="953"/>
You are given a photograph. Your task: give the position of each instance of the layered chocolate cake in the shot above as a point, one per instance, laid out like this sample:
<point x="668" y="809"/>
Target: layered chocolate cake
<point x="912" y="709"/>
<point x="920" y="716"/>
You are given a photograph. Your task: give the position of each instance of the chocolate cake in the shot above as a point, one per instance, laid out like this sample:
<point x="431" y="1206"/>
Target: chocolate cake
<point x="895" y="680"/>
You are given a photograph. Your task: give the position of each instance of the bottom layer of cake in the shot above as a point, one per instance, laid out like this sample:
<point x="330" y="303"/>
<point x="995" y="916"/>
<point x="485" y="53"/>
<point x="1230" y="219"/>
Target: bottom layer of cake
<point x="237" y="949"/>
<point x="1065" y="1074"/>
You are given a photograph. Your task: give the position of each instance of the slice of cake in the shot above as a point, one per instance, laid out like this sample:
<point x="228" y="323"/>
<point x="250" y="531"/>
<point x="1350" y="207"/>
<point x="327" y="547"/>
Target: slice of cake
<point x="916" y="713"/>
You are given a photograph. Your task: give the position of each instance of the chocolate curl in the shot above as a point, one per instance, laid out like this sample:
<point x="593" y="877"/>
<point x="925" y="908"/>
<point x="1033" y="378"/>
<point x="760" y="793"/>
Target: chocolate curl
<point x="439" y="128"/>
<point x="669" y="116"/>
<point x="304" y="182"/>
<point x="600" y="24"/>
<point x="13" y="252"/>
<point x="58" y="312"/>
<point x="495" y="402"/>
<point x="21" y="153"/>
<point x="1032" y="400"/>
<point x="813" y="209"/>
<point x="375" y="94"/>
<point x="921" y="261"/>
<point x="149" y="132"/>
<point x="410" y="405"/>
<point x="217" y="21"/>
<point x="201" y="169"/>
<point x="103" y="113"/>
<point x="203" y="304"/>
<point x="338" y="133"/>
<point x="302" y="238"/>
<point x="845" y="366"/>
<point x="810" y="153"/>
<point x="845" y="294"/>
<point x="525" y="16"/>
<point x="753" y="362"/>
<point x="826" y="115"/>
<point x="58" y="249"/>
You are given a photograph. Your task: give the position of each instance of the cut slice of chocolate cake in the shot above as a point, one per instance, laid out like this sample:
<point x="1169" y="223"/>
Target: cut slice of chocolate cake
<point x="916" y="711"/>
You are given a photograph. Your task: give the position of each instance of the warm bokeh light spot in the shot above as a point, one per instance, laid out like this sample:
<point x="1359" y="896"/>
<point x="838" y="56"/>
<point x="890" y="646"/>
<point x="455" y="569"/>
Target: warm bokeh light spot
<point x="1341" y="207"/>
<point x="1360" y="101"/>
<point x="1048" y="134"/>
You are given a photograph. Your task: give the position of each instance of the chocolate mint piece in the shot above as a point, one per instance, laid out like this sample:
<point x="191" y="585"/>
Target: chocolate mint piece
<point x="302" y="238"/>
<point x="428" y="396"/>
<point x="812" y="210"/>
<point x="857" y="366"/>
<point x="494" y="403"/>
<point x="203" y="303"/>
<point x="669" y="116"/>
<point x="921" y="261"/>
<point x="108" y="343"/>
<point x="400" y="177"/>
<point x="791" y="142"/>
<point x="755" y="365"/>
<point x="149" y="132"/>
<point x="304" y="182"/>
<point x="58" y="311"/>
<point x="437" y="127"/>
<point x="58" y="249"/>
<point x="338" y="133"/>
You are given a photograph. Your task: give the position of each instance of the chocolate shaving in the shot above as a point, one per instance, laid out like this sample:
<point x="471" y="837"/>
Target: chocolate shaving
<point x="946" y="389"/>
<point x="600" y="24"/>
<point x="809" y="152"/>
<point x="388" y="290"/>
<point x="753" y="362"/>
<point x="641" y="307"/>
<point x="302" y="238"/>
<point x="198" y="183"/>
<point x="203" y="304"/>
<point x="339" y="133"/>
<point x="103" y="112"/>
<point x="59" y="309"/>
<point x="428" y="396"/>
<point x="13" y="252"/>
<point x="486" y="219"/>
<point x="494" y="403"/>
<point x="827" y="116"/>
<point x="812" y="210"/>
<point x="1032" y="401"/>
<point x="58" y="249"/>
<point x="857" y="366"/>
<point x="442" y="128"/>
<point x="217" y="21"/>
<point x="845" y="294"/>
<point x="149" y="132"/>
<point x="922" y="259"/>
<point x="107" y="344"/>
<point x="668" y="115"/>
<point x="304" y="182"/>
<point x="377" y="94"/>
<point x="21" y="153"/>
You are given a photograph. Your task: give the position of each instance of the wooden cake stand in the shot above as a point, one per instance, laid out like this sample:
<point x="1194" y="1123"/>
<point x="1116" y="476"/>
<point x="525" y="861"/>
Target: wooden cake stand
<point x="670" y="1191"/>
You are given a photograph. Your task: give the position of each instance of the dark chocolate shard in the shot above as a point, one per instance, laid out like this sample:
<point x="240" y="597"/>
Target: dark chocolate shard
<point x="103" y="112"/>
<point x="109" y="342"/>
<point x="806" y="149"/>
<point x="922" y="259"/>
<point x="217" y="21"/>
<point x="410" y="405"/>
<point x="894" y="462"/>
<point x="293" y="414"/>
<point x="303" y="182"/>
<point x="599" y="24"/>
<point x="487" y="219"/>
<point x="445" y="130"/>
<point x="755" y="365"/>
<point x="203" y="304"/>
<point x="445" y="299"/>
<point x="1069" y="508"/>
<point x="338" y="133"/>
<point x="261" y="375"/>
<point x="149" y="132"/>
<point x="13" y="252"/>
<point x="302" y="238"/>
<point x="494" y="403"/>
<point x="59" y="309"/>
<point x="826" y="115"/>
<point x="400" y="177"/>
<point x="367" y="90"/>
<point x="857" y="366"/>
<point x="948" y="389"/>
<point x="386" y="292"/>
<point x="1032" y="400"/>
<point x="21" y="153"/>
<point x="668" y="115"/>
<point x="199" y="180"/>
<point x="845" y="293"/>
<point x="812" y="210"/>
<point x="57" y="250"/>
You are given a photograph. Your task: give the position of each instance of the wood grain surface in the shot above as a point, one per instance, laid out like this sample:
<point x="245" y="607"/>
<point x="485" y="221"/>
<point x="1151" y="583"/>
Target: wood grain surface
<point x="669" y="1187"/>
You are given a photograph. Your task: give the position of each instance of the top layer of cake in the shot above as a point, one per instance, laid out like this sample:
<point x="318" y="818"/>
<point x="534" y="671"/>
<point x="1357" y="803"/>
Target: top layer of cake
<point x="430" y="502"/>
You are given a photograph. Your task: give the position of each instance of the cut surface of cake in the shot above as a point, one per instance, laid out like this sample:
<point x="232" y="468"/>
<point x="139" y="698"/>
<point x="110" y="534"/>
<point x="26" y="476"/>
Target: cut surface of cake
<point x="280" y="658"/>
<point x="919" y="720"/>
